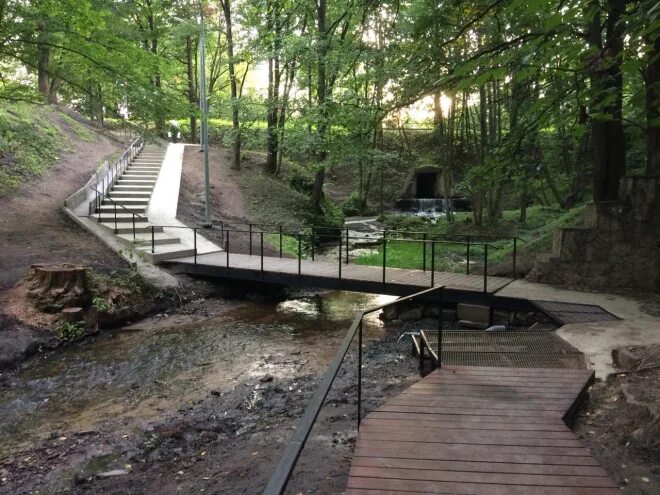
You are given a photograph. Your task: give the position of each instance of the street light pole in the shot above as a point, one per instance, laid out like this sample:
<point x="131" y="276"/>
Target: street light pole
<point x="204" y="134"/>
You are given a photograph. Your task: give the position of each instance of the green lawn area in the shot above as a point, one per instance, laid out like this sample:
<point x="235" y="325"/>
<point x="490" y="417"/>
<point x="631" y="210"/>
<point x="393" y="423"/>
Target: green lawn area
<point x="534" y="237"/>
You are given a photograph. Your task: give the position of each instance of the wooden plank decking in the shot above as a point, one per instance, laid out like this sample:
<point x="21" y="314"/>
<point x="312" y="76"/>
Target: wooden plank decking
<point x="479" y="431"/>
<point x="325" y="274"/>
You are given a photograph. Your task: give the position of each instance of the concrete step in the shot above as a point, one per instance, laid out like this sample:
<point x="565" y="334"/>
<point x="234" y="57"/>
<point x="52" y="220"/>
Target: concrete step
<point x="141" y="189"/>
<point x="136" y="182"/>
<point x="127" y="228"/>
<point x="125" y="218"/>
<point x="167" y="252"/>
<point x="141" y="173"/>
<point x="146" y="168"/>
<point x="147" y="163"/>
<point x="110" y="209"/>
<point x="149" y="158"/>
<point x="128" y="193"/>
<point x="144" y="239"/>
<point x="138" y="176"/>
<point x="126" y="201"/>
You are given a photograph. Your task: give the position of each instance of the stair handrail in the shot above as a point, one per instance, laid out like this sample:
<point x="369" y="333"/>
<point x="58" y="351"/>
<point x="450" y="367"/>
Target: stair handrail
<point x="106" y="176"/>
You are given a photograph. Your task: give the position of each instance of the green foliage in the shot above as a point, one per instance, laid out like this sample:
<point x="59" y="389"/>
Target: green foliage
<point x="351" y="207"/>
<point x="70" y="330"/>
<point x="99" y="304"/>
<point x="29" y="144"/>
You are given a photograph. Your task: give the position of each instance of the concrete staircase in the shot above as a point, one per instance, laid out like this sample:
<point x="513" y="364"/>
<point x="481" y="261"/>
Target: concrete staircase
<point x="124" y="210"/>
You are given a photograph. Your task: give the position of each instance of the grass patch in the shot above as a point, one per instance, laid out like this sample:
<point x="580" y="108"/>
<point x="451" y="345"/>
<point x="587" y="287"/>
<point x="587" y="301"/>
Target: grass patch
<point x="78" y="129"/>
<point x="535" y="238"/>
<point x="29" y="144"/>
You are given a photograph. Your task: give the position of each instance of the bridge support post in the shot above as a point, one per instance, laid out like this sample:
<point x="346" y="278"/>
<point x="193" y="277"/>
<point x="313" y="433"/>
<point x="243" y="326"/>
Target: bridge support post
<point x="339" y="258"/>
<point x="485" y="268"/>
<point x="432" y="263"/>
<point x="424" y="252"/>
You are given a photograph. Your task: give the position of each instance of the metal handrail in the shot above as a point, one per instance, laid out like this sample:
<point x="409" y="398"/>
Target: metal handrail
<point x="280" y="478"/>
<point x="344" y="233"/>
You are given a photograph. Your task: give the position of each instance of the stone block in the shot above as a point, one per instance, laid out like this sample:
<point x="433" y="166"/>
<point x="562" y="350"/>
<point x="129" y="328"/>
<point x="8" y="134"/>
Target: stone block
<point x="473" y="312"/>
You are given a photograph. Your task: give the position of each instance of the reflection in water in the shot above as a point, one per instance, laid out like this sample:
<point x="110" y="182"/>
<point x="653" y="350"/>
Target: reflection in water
<point x="139" y="375"/>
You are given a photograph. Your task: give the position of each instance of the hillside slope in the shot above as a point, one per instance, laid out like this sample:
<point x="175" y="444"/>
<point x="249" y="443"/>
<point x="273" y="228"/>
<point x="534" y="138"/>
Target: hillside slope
<point x="46" y="156"/>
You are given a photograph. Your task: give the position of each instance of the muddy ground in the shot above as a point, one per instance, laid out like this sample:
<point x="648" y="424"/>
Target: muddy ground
<point x="33" y="227"/>
<point x="227" y="199"/>
<point x="621" y="425"/>
<point x="227" y="440"/>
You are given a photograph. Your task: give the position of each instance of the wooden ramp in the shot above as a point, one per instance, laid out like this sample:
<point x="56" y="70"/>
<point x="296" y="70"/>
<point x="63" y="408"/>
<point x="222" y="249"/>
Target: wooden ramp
<point x="331" y="275"/>
<point x="467" y="430"/>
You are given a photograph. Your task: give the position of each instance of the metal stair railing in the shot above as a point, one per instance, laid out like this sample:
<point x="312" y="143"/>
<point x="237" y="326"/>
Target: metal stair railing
<point x="282" y="474"/>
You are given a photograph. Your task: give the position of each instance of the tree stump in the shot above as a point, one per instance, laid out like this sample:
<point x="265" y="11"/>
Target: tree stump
<point x="56" y="286"/>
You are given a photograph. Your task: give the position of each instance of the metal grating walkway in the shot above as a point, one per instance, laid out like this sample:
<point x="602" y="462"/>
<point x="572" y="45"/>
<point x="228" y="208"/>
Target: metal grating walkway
<point x="564" y="313"/>
<point x="516" y="349"/>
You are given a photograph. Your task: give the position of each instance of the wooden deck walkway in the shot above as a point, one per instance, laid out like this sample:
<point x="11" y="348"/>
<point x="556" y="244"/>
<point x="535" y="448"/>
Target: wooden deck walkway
<point x="323" y="274"/>
<point x="479" y="431"/>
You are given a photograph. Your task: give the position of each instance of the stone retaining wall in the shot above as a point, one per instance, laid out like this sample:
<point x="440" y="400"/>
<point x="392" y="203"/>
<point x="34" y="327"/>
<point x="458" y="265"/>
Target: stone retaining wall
<point x="619" y="246"/>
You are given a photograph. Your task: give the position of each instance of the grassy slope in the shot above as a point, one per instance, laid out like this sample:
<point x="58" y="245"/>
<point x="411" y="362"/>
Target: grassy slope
<point x="29" y="144"/>
<point x="535" y="238"/>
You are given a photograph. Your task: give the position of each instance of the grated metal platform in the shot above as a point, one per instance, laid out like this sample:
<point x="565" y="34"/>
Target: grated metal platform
<point x="516" y="349"/>
<point x="564" y="313"/>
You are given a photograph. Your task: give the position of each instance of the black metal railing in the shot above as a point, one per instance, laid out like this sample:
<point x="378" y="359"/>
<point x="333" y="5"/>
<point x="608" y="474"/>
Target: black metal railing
<point x="280" y="478"/>
<point x="342" y="240"/>
<point x="316" y="235"/>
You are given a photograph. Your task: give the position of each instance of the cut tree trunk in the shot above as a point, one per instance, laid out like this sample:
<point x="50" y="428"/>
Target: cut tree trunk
<point x="56" y="286"/>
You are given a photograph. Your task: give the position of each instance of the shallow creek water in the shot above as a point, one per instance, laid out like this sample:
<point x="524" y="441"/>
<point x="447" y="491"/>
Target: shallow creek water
<point x="137" y="374"/>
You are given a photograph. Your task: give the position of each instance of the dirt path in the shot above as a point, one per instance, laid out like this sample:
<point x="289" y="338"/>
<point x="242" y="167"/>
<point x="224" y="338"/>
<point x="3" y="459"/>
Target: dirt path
<point x="33" y="227"/>
<point x="227" y="197"/>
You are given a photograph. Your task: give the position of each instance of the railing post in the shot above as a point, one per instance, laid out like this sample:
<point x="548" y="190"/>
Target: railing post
<point x="384" y="258"/>
<point x="299" y="253"/>
<point x="485" y="267"/>
<point x="261" y="249"/>
<point x="250" y="233"/>
<point x="280" y="241"/>
<point x="115" y="205"/>
<point x="347" y="245"/>
<point x="359" y="372"/>
<point x="222" y="232"/>
<point x="467" y="267"/>
<point x="313" y="241"/>
<point x="339" y="257"/>
<point x="440" y="332"/>
<point x="153" y="241"/>
<point x="227" y="251"/>
<point x="424" y="252"/>
<point x="195" y="242"/>
<point x="432" y="263"/>
<point x="515" y="246"/>
<point x="133" y="227"/>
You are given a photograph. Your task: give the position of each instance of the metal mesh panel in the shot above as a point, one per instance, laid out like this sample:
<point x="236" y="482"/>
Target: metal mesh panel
<point x="575" y="313"/>
<point x="519" y="349"/>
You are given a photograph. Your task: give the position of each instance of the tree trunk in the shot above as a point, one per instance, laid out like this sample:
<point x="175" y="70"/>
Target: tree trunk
<point x="42" y="63"/>
<point x="235" y="122"/>
<point x="321" y="129"/>
<point x="606" y="101"/>
<point x="653" y="108"/>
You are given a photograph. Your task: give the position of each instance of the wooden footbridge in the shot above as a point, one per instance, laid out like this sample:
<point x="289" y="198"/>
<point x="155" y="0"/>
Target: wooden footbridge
<point x="465" y="430"/>
<point x="479" y="431"/>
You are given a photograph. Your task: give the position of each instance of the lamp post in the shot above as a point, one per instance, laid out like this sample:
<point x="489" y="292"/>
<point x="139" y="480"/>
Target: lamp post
<point x="204" y="106"/>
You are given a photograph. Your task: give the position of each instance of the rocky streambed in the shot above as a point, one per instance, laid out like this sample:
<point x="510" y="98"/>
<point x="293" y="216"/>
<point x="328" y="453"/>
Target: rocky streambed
<point x="200" y="400"/>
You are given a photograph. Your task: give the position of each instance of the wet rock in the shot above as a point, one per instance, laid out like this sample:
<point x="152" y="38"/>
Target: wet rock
<point x="19" y="341"/>
<point x="627" y="358"/>
<point x="412" y="314"/>
<point x="114" y="472"/>
<point x="266" y="378"/>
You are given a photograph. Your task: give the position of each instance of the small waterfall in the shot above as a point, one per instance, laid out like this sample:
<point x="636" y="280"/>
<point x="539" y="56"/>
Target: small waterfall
<point x="430" y="205"/>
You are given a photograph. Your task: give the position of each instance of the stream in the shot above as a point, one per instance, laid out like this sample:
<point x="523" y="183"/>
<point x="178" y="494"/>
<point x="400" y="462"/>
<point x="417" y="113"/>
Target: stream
<point x="148" y="370"/>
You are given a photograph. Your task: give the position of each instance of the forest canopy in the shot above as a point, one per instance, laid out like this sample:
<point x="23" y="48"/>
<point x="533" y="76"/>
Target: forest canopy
<point x="524" y="98"/>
